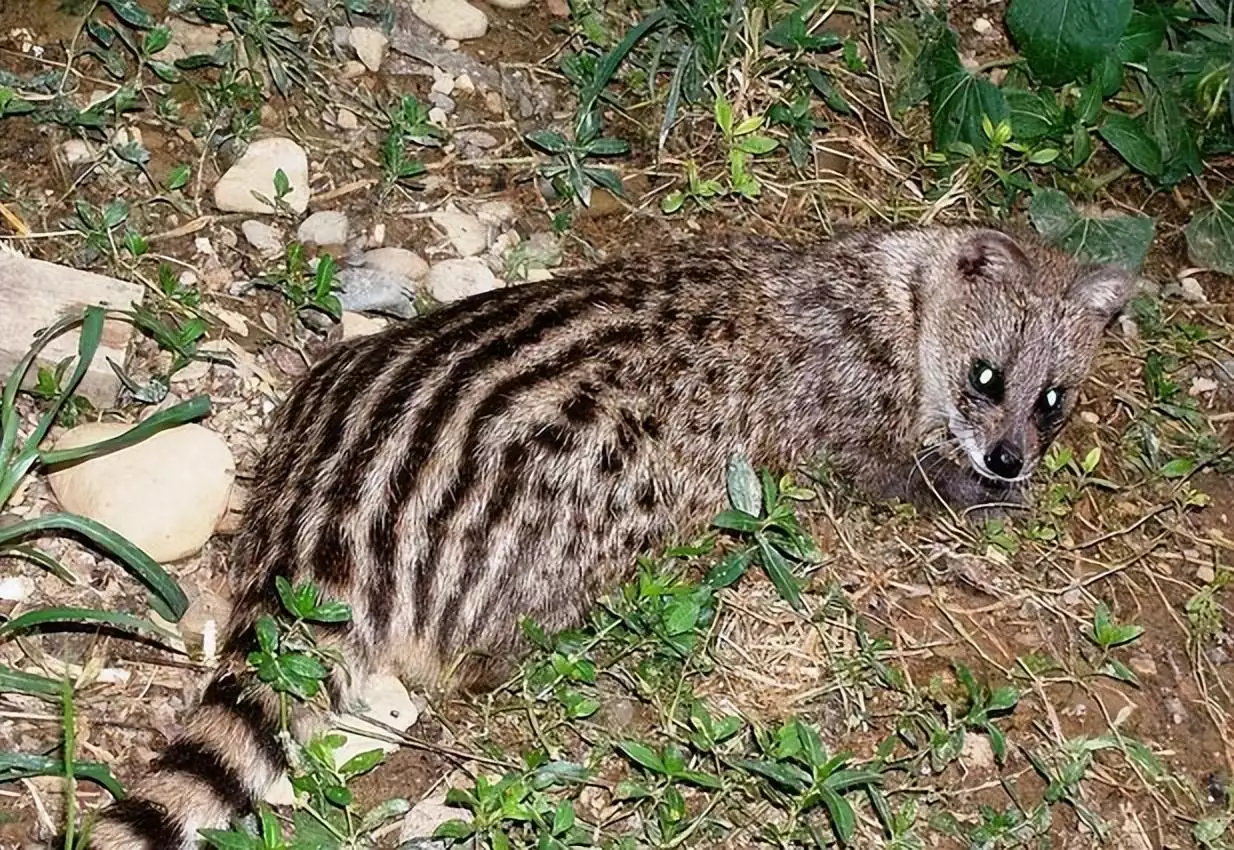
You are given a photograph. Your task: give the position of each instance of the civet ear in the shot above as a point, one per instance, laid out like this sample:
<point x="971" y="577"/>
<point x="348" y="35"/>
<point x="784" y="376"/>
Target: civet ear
<point x="1103" y="290"/>
<point x="990" y="254"/>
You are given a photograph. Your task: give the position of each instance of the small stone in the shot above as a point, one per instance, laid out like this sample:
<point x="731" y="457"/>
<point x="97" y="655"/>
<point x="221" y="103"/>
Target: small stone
<point x="16" y="588"/>
<point x="1143" y="665"/>
<point x="254" y="172"/>
<point x="464" y="83"/>
<point x="328" y="227"/>
<point x="353" y="68"/>
<point x="358" y="324"/>
<point x="443" y="102"/>
<point x="347" y="120"/>
<point x="509" y="4"/>
<point x="266" y="238"/>
<point x="76" y="152"/>
<point x="453" y="280"/>
<point x="438" y="116"/>
<point x="466" y="233"/>
<point x="189" y="39"/>
<point x="165" y="493"/>
<point x="362" y="289"/>
<point x="1192" y="290"/>
<point x="370" y="46"/>
<point x="981" y="26"/>
<point x="493" y="103"/>
<point x="443" y="83"/>
<point x="206" y="617"/>
<point x="424" y="818"/>
<point x="977" y="754"/>
<point x="452" y="18"/>
<point x="496" y="213"/>
<point x="397" y="261"/>
<point x="477" y="139"/>
<point x="1205" y="574"/>
<point x="1201" y="386"/>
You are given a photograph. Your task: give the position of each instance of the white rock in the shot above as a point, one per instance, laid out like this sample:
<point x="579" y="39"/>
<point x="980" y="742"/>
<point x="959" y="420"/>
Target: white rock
<point x="456" y="19"/>
<point x="266" y="238"/>
<point x="76" y="151"/>
<point x="426" y="815"/>
<point x="397" y="261"/>
<point x="370" y="46"/>
<point x="443" y="83"/>
<point x="466" y="233"/>
<point x="1192" y="290"/>
<point x="16" y="588"/>
<point x="165" y="493"/>
<point x="353" y="68"/>
<point x="977" y="754"/>
<point x="378" y="237"/>
<point x="496" y="213"/>
<point x="981" y="26"/>
<point x="188" y="39"/>
<point x="438" y="116"/>
<point x="358" y="324"/>
<point x="254" y="172"/>
<point x="509" y="4"/>
<point x="385" y="701"/>
<point x="463" y="83"/>
<point x="451" y="280"/>
<point x="328" y="227"/>
<point x="347" y="120"/>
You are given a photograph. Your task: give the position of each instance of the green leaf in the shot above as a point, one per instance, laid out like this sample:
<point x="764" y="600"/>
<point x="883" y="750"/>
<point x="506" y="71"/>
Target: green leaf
<point x="1179" y="467"/>
<point x="131" y="12"/>
<point x="167" y="598"/>
<point x="729" y="570"/>
<point x="226" y="839"/>
<point x="79" y="616"/>
<point x="1145" y="33"/>
<point x="155" y="40"/>
<point x="548" y="141"/>
<point x="1122" y="240"/>
<point x="1065" y="39"/>
<point x="15" y="681"/>
<point x="362" y="763"/>
<point x="756" y="145"/>
<point x="724" y="115"/>
<point x="841" y="813"/>
<point x="959" y="99"/>
<point x="788" y="776"/>
<point x="682" y="616"/>
<point x="607" y="146"/>
<point x="1033" y="116"/>
<point x="737" y="521"/>
<point x="779" y="572"/>
<point x="641" y="754"/>
<point x="267" y="631"/>
<point x="14" y="766"/>
<point x="1128" y="137"/>
<point x="1210" y="236"/>
<point x="186" y="411"/>
<point x="745" y="492"/>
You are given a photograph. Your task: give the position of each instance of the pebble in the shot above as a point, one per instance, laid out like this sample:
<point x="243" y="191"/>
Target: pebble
<point x="353" y="68"/>
<point x="188" y="39"/>
<point x="16" y="588"/>
<point x="363" y="289"/>
<point x="438" y="116"/>
<point x="981" y="26"/>
<point x="165" y="493"/>
<point x="397" y="261"/>
<point x="466" y="233"/>
<point x="424" y="818"/>
<point x="496" y="213"/>
<point x="254" y="172"/>
<point x="456" y="19"/>
<point x="347" y="120"/>
<point x="76" y="151"/>
<point x="1201" y="386"/>
<point x="452" y="280"/>
<point x="358" y="324"/>
<point x="1192" y="290"/>
<point x="266" y="238"/>
<point x="328" y="227"/>
<point x="976" y="753"/>
<point x="443" y="83"/>
<point x="477" y="139"/>
<point x="464" y="83"/>
<point x="443" y="102"/>
<point x="370" y="45"/>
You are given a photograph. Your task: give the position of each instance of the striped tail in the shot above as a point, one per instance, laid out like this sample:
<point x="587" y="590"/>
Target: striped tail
<point x="227" y="758"/>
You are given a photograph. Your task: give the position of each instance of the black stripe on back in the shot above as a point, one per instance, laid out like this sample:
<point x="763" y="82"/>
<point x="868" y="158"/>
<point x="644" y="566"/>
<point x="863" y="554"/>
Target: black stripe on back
<point x="432" y="419"/>
<point x="551" y="438"/>
<point x="228" y="693"/>
<point x="201" y="762"/>
<point x="148" y="821"/>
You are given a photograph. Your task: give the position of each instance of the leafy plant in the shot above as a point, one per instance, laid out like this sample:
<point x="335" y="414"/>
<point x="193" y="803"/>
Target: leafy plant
<point x="409" y="124"/>
<point x="306" y="286"/>
<point x="1106" y="635"/>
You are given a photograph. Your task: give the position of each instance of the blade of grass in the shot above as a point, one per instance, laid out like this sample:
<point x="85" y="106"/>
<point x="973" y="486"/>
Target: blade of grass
<point x="14" y="766"/>
<point x="80" y="616"/>
<point x="37" y="556"/>
<point x="166" y="596"/>
<point x="607" y="66"/>
<point x="18" y="682"/>
<point x="69" y="721"/>
<point x="185" y="411"/>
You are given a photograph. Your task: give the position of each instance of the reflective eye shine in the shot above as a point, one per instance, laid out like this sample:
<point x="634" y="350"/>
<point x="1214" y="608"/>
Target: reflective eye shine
<point x="987" y="380"/>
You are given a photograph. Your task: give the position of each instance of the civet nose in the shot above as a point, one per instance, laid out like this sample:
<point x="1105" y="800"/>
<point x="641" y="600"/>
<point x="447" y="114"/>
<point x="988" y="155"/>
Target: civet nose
<point x="1004" y="460"/>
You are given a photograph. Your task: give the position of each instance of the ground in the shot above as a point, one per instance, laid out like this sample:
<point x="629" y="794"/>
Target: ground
<point x="1112" y="738"/>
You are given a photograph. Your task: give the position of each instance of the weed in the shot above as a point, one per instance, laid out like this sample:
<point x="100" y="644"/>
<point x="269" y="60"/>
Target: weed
<point x="306" y="286"/>
<point x="409" y="124"/>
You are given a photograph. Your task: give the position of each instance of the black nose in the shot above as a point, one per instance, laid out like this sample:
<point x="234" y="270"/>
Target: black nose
<point x="1004" y="460"/>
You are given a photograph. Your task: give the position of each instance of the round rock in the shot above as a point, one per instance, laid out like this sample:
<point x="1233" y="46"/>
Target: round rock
<point x="370" y="46"/>
<point x="452" y="280"/>
<point x="456" y="19"/>
<point x="466" y="233"/>
<point x="266" y="238"/>
<point x="254" y="172"/>
<point x="165" y="493"/>
<point x="397" y="261"/>
<point x="328" y="227"/>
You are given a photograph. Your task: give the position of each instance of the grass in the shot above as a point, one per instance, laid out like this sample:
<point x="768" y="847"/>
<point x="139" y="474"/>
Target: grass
<point x="816" y="671"/>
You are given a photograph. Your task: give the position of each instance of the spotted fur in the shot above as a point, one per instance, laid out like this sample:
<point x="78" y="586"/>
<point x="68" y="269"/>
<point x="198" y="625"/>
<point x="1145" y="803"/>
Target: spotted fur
<point x="510" y="454"/>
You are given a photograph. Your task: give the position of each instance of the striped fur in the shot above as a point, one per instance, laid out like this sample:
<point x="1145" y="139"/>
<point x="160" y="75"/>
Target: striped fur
<point x="510" y="454"/>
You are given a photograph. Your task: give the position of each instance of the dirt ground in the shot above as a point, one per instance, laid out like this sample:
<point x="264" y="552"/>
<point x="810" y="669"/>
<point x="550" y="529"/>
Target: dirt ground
<point x="936" y="589"/>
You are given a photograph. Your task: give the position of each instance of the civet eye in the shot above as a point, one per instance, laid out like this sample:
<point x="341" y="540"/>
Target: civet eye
<point x="1051" y="400"/>
<point x="986" y="379"/>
